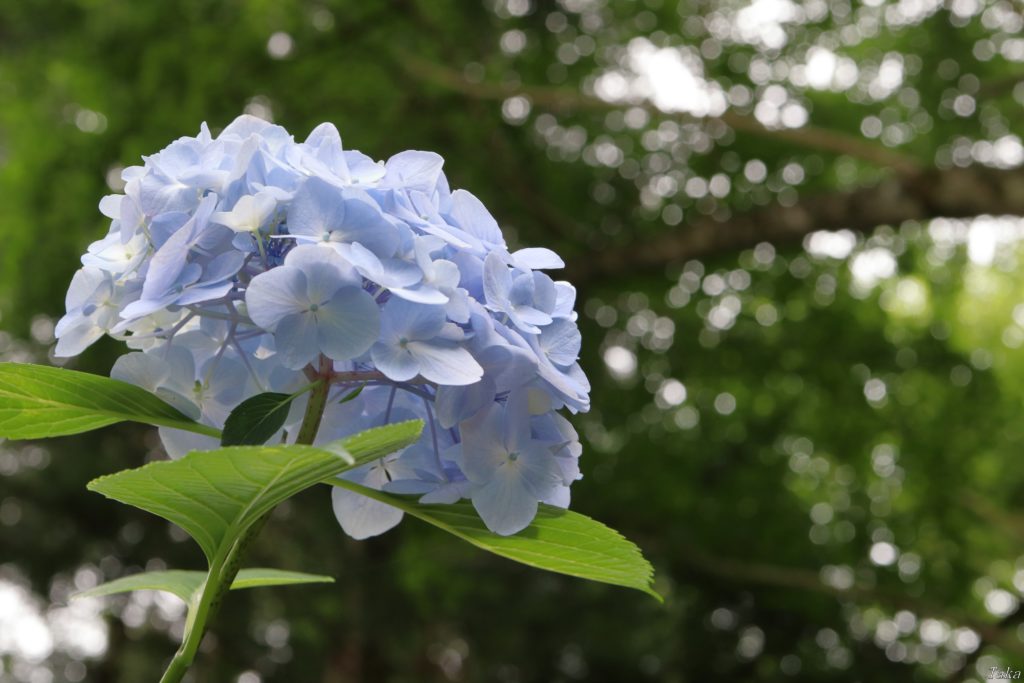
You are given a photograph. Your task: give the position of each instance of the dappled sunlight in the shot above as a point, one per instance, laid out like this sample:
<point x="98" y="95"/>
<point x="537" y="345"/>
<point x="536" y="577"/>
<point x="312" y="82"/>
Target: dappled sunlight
<point x="853" y="498"/>
<point x="795" y="231"/>
<point x="38" y="642"/>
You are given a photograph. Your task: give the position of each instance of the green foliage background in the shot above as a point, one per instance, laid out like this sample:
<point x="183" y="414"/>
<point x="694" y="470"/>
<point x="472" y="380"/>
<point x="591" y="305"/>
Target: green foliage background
<point x="828" y="419"/>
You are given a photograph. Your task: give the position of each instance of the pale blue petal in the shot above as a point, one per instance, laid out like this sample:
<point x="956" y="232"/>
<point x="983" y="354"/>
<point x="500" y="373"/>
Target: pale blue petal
<point x="202" y="292"/>
<point x="458" y="306"/>
<point x="397" y="273"/>
<point x="453" y="404"/>
<point x="223" y="267"/>
<point x="516" y="425"/>
<point x="401" y="206"/>
<point x="471" y="274"/>
<point x="323" y="280"/>
<point x="394" y="361"/>
<point x="343" y="419"/>
<point x="445" y="363"/>
<point x="110" y="205"/>
<point x="472" y="216"/>
<point x="144" y="307"/>
<point x="389" y="272"/>
<point x="421" y="294"/>
<point x="364" y="223"/>
<point x="413" y="170"/>
<point x="296" y="340"/>
<point x="325" y="137"/>
<point x="84" y="285"/>
<point x="561" y="342"/>
<point x="483" y="449"/>
<point x="446" y="494"/>
<point x="78" y="338"/>
<point x="131" y="216"/>
<point x="179" y="443"/>
<point x="244" y="126"/>
<point x="445" y="275"/>
<point x="537" y="258"/>
<point x="453" y="236"/>
<point x="565" y="299"/>
<point x="406" y="487"/>
<point x="503" y="503"/>
<point x="497" y="281"/>
<point x="275" y="294"/>
<point x="365" y="261"/>
<point x="310" y="257"/>
<point x="423" y="247"/>
<point x="508" y="366"/>
<point x="361" y="517"/>
<point x="364" y="170"/>
<point x="569" y="463"/>
<point x="160" y="193"/>
<point x="317" y="209"/>
<point x="528" y="318"/>
<point x="559" y="497"/>
<point x="545" y="295"/>
<point x="348" y="324"/>
<point x="523" y="290"/>
<point x="166" y="224"/>
<point x="413" y="321"/>
<point x="538" y="469"/>
<point x="249" y="214"/>
<point x="167" y="263"/>
<point x="228" y="381"/>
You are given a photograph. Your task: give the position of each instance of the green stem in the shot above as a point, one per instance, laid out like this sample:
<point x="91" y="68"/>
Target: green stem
<point x="317" y="403"/>
<point x="224" y="569"/>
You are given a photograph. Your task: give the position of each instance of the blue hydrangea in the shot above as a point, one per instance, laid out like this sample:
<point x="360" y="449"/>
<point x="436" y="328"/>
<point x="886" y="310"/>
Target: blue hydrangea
<point x="235" y="263"/>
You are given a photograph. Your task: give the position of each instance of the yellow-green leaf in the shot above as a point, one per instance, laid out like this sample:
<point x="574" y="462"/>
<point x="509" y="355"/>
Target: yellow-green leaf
<point x="186" y="584"/>
<point x="557" y="540"/>
<point x="38" y="401"/>
<point x="216" y="495"/>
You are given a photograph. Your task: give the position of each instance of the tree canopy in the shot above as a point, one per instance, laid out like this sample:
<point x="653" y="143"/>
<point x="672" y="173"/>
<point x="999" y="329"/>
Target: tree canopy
<point x="795" y="231"/>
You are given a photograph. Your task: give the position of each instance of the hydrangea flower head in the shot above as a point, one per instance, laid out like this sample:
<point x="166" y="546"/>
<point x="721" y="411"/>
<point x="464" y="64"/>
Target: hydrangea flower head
<point x="235" y="264"/>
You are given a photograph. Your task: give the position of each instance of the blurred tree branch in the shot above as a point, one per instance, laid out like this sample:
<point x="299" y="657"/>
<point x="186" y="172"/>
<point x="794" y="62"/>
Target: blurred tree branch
<point x="514" y="178"/>
<point x="571" y="99"/>
<point x="951" y="193"/>
<point x="1000" y="86"/>
<point x="995" y="515"/>
<point x="1000" y="633"/>
<point x="911" y="193"/>
<point x="1007" y="624"/>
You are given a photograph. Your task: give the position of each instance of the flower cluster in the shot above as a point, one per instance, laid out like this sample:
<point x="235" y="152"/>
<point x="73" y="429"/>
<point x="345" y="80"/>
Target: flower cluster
<point x="236" y="264"/>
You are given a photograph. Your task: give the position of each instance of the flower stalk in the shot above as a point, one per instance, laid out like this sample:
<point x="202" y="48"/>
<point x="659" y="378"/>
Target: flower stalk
<point x="222" y="572"/>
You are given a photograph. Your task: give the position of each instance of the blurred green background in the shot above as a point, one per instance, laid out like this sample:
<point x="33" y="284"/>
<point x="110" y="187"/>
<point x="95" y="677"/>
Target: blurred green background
<point x="794" y="228"/>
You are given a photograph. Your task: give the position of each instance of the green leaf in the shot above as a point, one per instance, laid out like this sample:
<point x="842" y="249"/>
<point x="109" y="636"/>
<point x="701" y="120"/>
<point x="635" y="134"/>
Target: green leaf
<point x="37" y="401"/>
<point x="558" y="540"/>
<point x="215" y="495"/>
<point x="181" y="583"/>
<point x="256" y="578"/>
<point x="352" y="395"/>
<point x="256" y="419"/>
<point x="222" y="497"/>
<point x="186" y="584"/>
